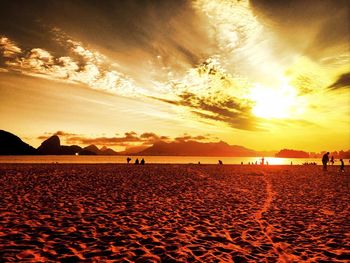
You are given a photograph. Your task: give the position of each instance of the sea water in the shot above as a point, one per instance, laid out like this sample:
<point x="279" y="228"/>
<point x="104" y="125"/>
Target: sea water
<point x="158" y="159"/>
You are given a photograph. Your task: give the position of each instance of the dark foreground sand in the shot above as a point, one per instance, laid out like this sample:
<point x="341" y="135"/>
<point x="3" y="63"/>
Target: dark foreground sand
<point x="168" y="213"/>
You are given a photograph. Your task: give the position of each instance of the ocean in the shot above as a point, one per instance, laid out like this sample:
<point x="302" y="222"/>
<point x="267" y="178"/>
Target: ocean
<point x="157" y="159"/>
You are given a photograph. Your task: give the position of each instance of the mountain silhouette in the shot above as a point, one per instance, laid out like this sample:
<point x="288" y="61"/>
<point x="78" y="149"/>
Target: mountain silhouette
<point x="92" y="148"/>
<point x="10" y="144"/>
<point x="194" y="148"/>
<point x="52" y="146"/>
<point x="107" y="151"/>
<point x="103" y="151"/>
<point x="286" y="153"/>
<point x="134" y="150"/>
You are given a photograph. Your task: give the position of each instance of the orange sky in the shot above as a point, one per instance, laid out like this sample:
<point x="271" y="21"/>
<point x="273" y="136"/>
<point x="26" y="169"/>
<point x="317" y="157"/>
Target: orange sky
<point x="254" y="73"/>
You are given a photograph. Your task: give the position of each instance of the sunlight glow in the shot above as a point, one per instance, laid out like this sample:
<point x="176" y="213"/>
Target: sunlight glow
<point x="272" y="103"/>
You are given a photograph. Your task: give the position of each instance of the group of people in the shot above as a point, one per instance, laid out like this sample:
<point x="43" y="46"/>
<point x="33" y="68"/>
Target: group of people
<point x="136" y="161"/>
<point x="310" y="163"/>
<point x="326" y="160"/>
<point x="263" y="162"/>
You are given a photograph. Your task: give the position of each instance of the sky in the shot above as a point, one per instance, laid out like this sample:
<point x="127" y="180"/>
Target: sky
<point x="262" y="74"/>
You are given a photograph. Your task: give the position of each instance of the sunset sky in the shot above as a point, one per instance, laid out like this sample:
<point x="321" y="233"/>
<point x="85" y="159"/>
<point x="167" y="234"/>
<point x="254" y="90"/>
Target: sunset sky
<point x="262" y="74"/>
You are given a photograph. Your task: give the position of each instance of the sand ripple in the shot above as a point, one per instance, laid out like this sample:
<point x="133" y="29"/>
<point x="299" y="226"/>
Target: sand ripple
<point x="173" y="213"/>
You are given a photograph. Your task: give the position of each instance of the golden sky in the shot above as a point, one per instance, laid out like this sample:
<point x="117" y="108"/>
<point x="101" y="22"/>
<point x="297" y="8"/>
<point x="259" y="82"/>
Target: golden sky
<point x="262" y="74"/>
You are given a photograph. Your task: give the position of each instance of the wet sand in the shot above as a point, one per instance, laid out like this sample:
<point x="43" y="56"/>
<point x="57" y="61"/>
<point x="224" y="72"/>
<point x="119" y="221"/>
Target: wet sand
<point x="173" y="213"/>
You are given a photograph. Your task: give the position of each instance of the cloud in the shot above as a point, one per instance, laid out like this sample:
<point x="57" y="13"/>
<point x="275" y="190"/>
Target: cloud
<point x="232" y="22"/>
<point x="81" y="65"/>
<point x="343" y="81"/>
<point x="204" y="57"/>
<point x="129" y="137"/>
<point x="187" y="137"/>
<point x="200" y="90"/>
<point x="62" y="133"/>
<point x="229" y="111"/>
<point x="58" y="133"/>
<point x="8" y="48"/>
<point x="129" y="140"/>
<point x="210" y="93"/>
<point x="327" y="21"/>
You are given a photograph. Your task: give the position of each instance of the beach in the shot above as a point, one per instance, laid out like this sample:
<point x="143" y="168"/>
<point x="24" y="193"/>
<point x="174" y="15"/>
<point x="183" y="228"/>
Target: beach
<point x="174" y="213"/>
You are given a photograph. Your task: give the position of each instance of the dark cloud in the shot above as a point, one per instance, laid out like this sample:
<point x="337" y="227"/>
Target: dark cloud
<point x="323" y="24"/>
<point x="148" y="135"/>
<point x="62" y="133"/>
<point x="187" y="137"/>
<point x="129" y="137"/>
<point x="226" y="109"/>
<point x="157" y="27"/>
<point x="342" y="82"/>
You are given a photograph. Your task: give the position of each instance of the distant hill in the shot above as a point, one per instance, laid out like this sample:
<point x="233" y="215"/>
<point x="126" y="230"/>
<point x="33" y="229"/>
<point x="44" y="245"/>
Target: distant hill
<point x="134" y="150"/>
<point x="107" y="151"/>
<point x="52" y="146"/>
<point x="103" y="151"/>
<point x="286" y="153"/>
<point x="92" y="148"/>
<point x="10" y="144"/>
<point x="194" y="148"/>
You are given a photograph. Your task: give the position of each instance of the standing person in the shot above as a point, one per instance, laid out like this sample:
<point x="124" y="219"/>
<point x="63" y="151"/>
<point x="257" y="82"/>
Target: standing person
<point x="325" y="159"/>
<point x="128" y="159"/>
<point x="342" y="165"/>
<point x="137" y="161"/>
<point x="142" y="161"/>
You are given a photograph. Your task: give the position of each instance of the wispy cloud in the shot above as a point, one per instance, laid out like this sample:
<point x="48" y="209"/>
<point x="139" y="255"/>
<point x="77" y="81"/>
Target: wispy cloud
<point x="216" y="62"/>
<point x="209" y="92"/>
<point x="81" y="65"/>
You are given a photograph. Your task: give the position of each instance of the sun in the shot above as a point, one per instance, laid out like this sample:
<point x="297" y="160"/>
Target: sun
<point x="274" y="103"/>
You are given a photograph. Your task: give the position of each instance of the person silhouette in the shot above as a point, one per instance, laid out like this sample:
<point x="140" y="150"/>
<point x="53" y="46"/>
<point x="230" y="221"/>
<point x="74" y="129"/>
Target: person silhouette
<point x="137" y="161"/>
<point x="332" y="160"/>
<point x="220" y="162"/>
<point x="325" y="159"/>
<point x="262" y="161"/>
<point x="142" y="161"/>
<point x="342" y="165"/>
<point x="128" y="159"/>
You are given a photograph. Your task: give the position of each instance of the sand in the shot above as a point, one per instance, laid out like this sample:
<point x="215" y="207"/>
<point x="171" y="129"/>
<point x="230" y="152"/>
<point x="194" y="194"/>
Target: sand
<point x="173" y="213"/>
